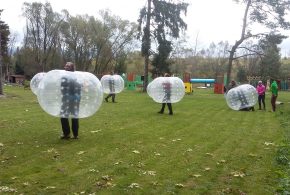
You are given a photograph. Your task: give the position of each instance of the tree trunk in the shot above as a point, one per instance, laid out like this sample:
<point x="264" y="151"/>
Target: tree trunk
<point x="239" y="42"/>
<point x="230" y="65"/>
<point x="148" y="42"/>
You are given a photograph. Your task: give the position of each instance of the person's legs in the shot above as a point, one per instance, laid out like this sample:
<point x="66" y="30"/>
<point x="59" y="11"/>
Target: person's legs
<point x="75" y="127"/>
<point x="65" y="127"/>
<point x="263" y="101"/>
<point x="273" y="102"/>
<point x="169" y="108"/>
<point x="113" y="97"/>
<point x="162" y="108"/>
<point x="259" y="101"/>
<point x="108" y="97"/>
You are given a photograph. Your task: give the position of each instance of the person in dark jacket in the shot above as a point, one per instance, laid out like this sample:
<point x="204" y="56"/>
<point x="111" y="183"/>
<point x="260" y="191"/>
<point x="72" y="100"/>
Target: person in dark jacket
<point x="71" y="96"/>
<point x="166" y="98"/>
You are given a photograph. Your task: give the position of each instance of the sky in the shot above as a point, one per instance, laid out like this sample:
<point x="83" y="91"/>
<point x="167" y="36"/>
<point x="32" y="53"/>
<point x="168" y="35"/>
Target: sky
<point x="208" y="20"/>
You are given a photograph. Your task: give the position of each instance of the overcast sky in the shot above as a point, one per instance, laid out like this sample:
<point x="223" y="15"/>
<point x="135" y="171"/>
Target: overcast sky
<point x="211" y="20"/>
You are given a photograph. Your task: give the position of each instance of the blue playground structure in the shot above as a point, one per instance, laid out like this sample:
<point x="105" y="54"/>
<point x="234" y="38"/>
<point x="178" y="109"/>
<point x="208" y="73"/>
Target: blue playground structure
<point x="202" y="80"/>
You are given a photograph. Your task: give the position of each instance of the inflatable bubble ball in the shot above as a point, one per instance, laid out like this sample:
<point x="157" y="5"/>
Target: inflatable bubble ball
<point x="112" y="83"/>
<point x="34" y="82"/>
<point x="242" y="96"/>
<point x="166" y="89"/>
<point x="68" y="94"/>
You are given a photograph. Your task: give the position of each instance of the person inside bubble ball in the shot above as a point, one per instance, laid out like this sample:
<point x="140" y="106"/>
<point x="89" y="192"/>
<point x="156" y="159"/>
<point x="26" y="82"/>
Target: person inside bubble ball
<point x="166" y="98"/>
<point x="261" y="94"/>
<point x="71" y="91"/>
<point x="242" y="98"/>
<point x="112" y="89"/>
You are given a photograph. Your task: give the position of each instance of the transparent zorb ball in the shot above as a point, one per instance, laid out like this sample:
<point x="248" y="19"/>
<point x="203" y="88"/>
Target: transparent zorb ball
<point x="34" y="82"/>
<point x="112" y="83"/>
<point x="166" y="89"/>
<point x="69" y="94"/>
<point x="242" y="96"/>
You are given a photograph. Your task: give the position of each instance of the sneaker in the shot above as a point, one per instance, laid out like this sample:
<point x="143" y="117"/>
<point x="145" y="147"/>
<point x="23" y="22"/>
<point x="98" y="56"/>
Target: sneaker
<point x="160" y="112"/>
<point x="75" y="137"/>
<point x="170" y="113"/>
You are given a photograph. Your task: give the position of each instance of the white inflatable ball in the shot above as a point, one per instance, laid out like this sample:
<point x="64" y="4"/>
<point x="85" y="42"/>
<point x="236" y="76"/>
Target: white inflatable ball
<point x="34" y="82"/>
<point x="69" y="94"/>
<point x="166" y="89"/>
<point x="112" y="83"/>
<point x="242" y="96"/>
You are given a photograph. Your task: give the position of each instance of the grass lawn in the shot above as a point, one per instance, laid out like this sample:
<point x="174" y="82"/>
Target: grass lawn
<point x="128" y="148"/>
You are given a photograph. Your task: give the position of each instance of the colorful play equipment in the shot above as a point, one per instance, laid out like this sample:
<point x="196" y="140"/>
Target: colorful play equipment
<point x="187" y="84"/>
<point x="134" y="82"/>
<point x="202" y="81"/>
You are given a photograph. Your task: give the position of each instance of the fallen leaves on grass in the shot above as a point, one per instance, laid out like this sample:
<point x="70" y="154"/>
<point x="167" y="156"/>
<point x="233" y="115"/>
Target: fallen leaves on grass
<point x="105" y="182"/>
<point x="252" y="155"/>
<point x="136" y="152"/>
<point x="54" y="152"/>
<point x="221" y="162"/>
<point x="197" y="175"/>
<point x="97" y="131"/>
<point x="117" y="163"/>
<point x="81" y="152"/>
<point x="1" y="145"/>
<point x="238" y="174"/>
<point x="7" y="189"/>
<point x="269" y="143"/>
<point x="50" y="187"/>
<point x="140" y="164"/>
<point x="179" y="185"/>
<point x="134" y="185"/>
<point x="93" y="170"/>
<point x="26" y="184"/>
<point x="152" y="173"/>
<point x="209" y="154"/>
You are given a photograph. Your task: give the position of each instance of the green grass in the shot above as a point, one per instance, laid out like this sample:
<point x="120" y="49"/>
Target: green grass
<point x="127" y="148"/>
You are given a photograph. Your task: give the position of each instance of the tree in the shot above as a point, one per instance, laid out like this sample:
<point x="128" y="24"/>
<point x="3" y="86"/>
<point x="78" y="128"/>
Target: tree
<point x="4" y="39"/>
<point x="96" y="45"/>
<point x="165" y="19"/>
<point x="269" y="13"/>
<point x="271" y="61"/>
<point x="42" y="33"/>
<point x="242" y="74"/>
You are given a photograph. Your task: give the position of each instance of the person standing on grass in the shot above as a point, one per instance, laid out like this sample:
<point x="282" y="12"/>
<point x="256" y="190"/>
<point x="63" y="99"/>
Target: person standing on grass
<point x="232" y="84"/>
<point x="112" y="89"/>
<point x="166" y="99"/>
<point x="71" y="95"/>
<point x="261" y="89"/>
<point x="274" y="91"/>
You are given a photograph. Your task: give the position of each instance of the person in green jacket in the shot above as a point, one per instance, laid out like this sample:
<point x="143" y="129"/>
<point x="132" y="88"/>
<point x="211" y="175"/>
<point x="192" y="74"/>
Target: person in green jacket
<point x="274" y="91"/>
